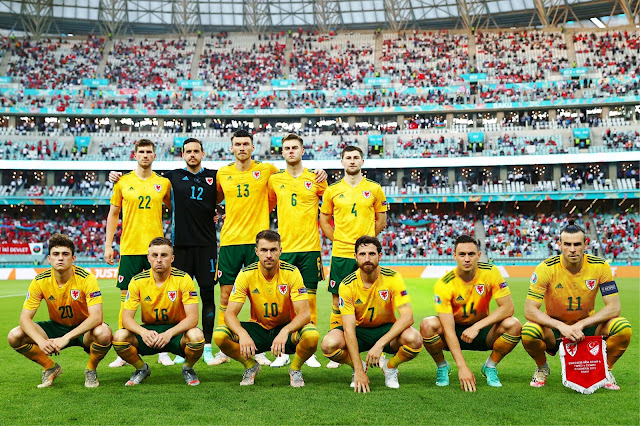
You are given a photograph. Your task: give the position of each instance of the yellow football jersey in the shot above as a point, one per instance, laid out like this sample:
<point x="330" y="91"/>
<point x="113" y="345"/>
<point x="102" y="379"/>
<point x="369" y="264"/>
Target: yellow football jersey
<point x="469" y="301"/>
<point x="141" y="201"/>
<point x="271" y="301"/>
<point x="567" y="297"/>
<point x="164" y="304"/>
<point x="377" y="304"/>
<point x="298" y="200"/>
<point x="354" y="213"/>
<point x="246" y="202"/>
<point x="67" y="304"/>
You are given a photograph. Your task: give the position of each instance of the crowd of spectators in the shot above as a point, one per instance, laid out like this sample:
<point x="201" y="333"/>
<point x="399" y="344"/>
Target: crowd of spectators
<point x="150" y="63"/>
<point x="425" y="58"/>
<point x="55" y="63"/>
<point x="611" y="53"/>
<point x="618" y="235"/>
<point x="520" y="56"/>
<point x="614" y="139"/>
<point x="40" y="150"/>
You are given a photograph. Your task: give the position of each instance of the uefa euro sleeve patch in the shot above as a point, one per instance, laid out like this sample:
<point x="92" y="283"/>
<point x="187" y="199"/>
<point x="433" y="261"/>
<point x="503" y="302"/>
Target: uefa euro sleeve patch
<point x="608" y="288"/>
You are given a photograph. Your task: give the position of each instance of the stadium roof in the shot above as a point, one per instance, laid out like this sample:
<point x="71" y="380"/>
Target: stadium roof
<point x="183" y="16"/>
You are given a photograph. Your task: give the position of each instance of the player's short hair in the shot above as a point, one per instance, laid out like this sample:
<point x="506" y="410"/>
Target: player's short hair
<point x="144" y="142"/>
<point x="572" y="228"/>
<point x="61" y="240"/>
<point x="161" y="241"/>
<point x="241" y="134"/>
<point x="193" y="140"/>
<point x="368" y="239"/>
<point x="351" y="148"/>
<point x="268" y="235"/>
<point x="464" y="238"/>
<point x="293" y="137"/>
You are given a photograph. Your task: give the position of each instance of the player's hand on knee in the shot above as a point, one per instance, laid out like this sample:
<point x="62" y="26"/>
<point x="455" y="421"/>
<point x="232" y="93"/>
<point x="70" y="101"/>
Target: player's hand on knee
<point x="467" y="379"/>
<point x="163" y="340"/>
<point x="277" y="347"/>
<point x="60" y="343"/>
<point x="373" y="357"/>
<point x="469" y="334"/>
<point x="361" y="382"/>
<point x="47" y="347"/>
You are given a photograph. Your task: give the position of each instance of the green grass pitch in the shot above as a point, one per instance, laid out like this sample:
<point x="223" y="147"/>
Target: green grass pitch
<point x="326" y="398"/>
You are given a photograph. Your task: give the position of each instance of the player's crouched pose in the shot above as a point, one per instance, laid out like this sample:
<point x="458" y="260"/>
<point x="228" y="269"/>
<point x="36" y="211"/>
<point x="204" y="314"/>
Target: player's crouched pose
<point x="75" y="311"/>
<point x="169" y="305"/>
<point x="275" y="290"/>
<point x="462" y="299"/>
<point x="368" y="300"/>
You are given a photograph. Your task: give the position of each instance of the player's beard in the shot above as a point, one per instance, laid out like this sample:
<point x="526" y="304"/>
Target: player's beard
<point x="353" y="173"/>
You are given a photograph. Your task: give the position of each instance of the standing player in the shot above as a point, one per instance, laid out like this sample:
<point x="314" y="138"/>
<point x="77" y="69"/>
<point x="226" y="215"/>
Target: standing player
<point x="169" y="305"/>
<point x="243" y="186"/>
<point x="298" y="199"/>
<point x="75" y="315"/>
<point x="279" y="313"/>
<point x="140" y="195"/>
<point x="369" y="298"/>
<point x="568" y="285"/>
<point x="194" y="197"/>
<point x="358" y="207"/>
<point x="462" y="299"/>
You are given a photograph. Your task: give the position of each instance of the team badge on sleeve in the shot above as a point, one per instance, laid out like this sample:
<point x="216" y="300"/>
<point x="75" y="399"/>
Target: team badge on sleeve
<point x="28" y="295"/>
<point x="120" y="278"/>
<point x="534" y="278"/>
<point x="366" y="194"/>
<point x="75" y="294"/>
<point x="172" y="295"/>
<point x="437" y="300"/>
<point x="233" y="289"/>
<point x="256" y="175"/>
<point x="283" y="288"/>
<point x="219" y="273"/>
<point x="340" y="303"/>
<point x="158" y="187"/>
<point x="128" y="295"/>
<point x="480" y="289"/>
<point x="384" y="294"/>
<point x="209" y="180"/>
<point x="308" y="184"/>
<point x="591" y="284"/>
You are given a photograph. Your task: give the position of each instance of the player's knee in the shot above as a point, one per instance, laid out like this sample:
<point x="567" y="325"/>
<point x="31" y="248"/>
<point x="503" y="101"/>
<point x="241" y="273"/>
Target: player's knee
<point x="310" y="335"/>
<point x="16" y="337"/>
<point x="102" y="334"/>
<point x="531" y="332"/>
<point x="512" y="326"/>
<point x="220" y="336"/>
<point x="122" y="335"/>
<point x="225" y="292"/>
<point x="331" y="343"/>
<point x="430" y="326"/>
<point x="620" y="327"/>
<point x="194" y="335"/>
<point x="412" y="338"/>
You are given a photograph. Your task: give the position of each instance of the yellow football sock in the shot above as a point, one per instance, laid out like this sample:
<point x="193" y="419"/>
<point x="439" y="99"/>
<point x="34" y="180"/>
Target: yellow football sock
<point x="228" y="344"/>
<point x="502" y="346"/>
<point x="313" y="307"/>
<point x="307" y="344"/>
<point x="340" y="356"/>
<point x="618" y="341"/>
<point x="123" y="297"/>
<point x="96" y="353"/>
<point x="336" y="318"/>
<point x="533" y="342"/>
<point x="223" y="309"/>
<point x="404" y="354"/>
<point x="35" y="354"/>
<point x="129" y="353"/>
<point x="193" y="352"/>
<point x="434" y="345"/>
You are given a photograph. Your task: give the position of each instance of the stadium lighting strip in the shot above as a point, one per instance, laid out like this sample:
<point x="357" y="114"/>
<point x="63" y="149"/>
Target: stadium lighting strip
<point x="395" y="163"/>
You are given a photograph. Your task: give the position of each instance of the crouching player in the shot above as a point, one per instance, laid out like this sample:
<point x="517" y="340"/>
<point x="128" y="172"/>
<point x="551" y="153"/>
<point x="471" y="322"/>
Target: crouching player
<point x="169" y="305"/>
<point x="568" y="285"/>
<point x="368" y="300"/>
<point x="279" y="313"/>
<point x="75" y="312"/>
<point x="462" y="299"/>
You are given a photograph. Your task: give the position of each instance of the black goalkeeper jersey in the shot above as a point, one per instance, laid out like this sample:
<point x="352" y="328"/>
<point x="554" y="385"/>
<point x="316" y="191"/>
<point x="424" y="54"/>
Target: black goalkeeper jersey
<point x="193" y="197"/>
